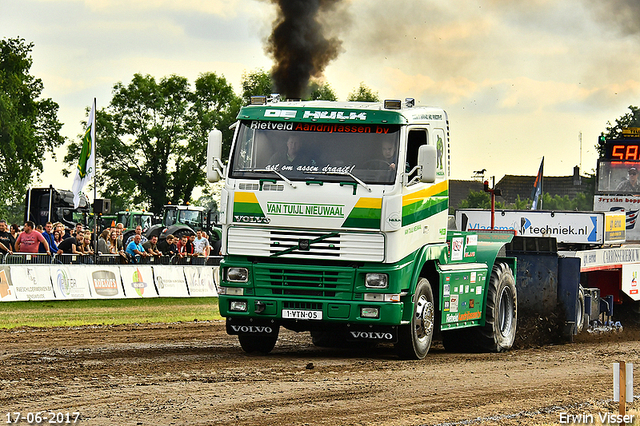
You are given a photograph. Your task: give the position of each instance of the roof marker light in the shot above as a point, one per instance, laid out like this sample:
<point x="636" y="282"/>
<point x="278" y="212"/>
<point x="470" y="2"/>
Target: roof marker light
<point x="392" y="104"/>
<point x="258" y="100"/>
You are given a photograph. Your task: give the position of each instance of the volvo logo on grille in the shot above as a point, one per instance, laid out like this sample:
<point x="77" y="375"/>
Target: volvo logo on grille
<point x="303" y="244"/>
<point x="251" y="219"/>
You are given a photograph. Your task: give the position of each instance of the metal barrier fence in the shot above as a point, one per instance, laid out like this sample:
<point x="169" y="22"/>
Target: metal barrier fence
<point x="177" y="260"/>
<point x="26" y="258"/>
<point x="106" y="259"/>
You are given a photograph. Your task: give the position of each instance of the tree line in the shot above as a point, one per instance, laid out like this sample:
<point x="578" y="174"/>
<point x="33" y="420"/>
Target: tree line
<point x="482" y="200"/>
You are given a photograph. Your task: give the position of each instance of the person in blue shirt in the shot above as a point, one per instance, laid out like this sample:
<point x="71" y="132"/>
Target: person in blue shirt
<point x="47" y="233"/>
<point x="135" y="249"/>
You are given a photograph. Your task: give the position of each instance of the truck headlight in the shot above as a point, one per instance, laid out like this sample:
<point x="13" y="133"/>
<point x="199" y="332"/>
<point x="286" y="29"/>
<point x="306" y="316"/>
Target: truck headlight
<point x="369" y="312"/>
<point x="237" y="275"/>
<point x="238" y="305"/>
<point x="376" y="280"/>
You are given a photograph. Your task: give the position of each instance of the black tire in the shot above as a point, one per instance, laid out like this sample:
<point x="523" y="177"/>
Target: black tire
<point x="581" y="319"/>
<point x="154" y="230"/>
<point x="183" y="231"/>
<point x="414" y="339"/>
<point x="501" y="317"/>
<point x="261" y="344"/>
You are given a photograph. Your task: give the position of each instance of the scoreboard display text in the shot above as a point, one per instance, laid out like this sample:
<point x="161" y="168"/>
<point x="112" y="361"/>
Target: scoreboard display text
<point x="623" y="150"/>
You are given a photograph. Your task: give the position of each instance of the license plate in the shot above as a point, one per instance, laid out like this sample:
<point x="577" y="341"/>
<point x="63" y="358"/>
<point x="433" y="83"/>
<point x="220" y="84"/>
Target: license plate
<point x="301" y="314"/>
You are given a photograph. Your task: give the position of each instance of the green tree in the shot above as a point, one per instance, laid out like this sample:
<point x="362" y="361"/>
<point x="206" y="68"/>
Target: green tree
<point x="479" y="200"/>
<point x="322" y="92"/>
<point x="209" y="202"/>
<point x="29" y="126"/>
<point x="256" y="83"/>
<point x="521" y="204"/>
<point x="614" y="131"/>
<point x="363" y="94"/>
<point x="152" y="138"/>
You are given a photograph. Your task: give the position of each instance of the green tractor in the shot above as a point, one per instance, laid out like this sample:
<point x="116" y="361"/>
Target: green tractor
<point x="179" y="220"/>
<point x="131" y="219"/>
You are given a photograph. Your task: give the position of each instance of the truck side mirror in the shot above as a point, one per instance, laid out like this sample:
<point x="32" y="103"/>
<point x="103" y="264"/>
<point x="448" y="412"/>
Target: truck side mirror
<point x="214" y="153"/>
<point x="427" y="163"/>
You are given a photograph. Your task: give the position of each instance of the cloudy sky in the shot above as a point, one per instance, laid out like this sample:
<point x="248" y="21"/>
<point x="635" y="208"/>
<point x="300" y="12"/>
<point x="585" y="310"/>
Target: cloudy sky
<point x="519" y="80"/>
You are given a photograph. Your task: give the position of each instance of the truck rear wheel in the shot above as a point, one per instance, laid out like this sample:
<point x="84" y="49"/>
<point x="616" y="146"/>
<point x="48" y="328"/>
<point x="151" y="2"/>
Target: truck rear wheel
<point x="262" y="344"/>
<point x="499" y="331"/>
<point x="580" y="312"/>
<point x="414" y="339"/>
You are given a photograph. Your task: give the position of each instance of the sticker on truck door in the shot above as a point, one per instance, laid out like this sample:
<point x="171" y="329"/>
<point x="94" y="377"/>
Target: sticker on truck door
<point x="457" y="245"/>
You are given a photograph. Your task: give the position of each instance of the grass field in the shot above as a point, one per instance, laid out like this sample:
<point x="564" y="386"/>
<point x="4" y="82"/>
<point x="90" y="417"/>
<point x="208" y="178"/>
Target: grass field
<point x="118" y="311"/>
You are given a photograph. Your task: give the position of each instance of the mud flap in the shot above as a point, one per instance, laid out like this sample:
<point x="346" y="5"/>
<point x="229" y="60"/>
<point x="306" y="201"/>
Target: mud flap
<point x="373" y="334"/>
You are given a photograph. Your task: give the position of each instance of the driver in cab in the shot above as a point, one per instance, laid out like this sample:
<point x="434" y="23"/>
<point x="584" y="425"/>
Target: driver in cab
<point x="294" y="155"/>
<point x="630" y="184"/>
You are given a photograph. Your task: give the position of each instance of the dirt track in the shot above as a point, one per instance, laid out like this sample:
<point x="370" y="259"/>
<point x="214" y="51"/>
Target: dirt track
<point x="193" y="373"/>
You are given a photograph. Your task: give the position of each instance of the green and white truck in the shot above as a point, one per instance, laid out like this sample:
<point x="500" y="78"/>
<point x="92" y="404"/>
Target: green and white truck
<point x="334" y="221"/>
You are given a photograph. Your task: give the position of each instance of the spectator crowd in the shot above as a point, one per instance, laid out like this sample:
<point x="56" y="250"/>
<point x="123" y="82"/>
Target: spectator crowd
<point x="56" y="239"/>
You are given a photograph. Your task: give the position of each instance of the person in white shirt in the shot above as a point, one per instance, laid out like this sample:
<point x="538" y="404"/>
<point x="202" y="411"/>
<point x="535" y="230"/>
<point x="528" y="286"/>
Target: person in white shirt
<point x="201" y="245"/>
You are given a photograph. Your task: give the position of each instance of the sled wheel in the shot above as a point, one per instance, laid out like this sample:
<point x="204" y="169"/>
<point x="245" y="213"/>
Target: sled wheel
<point x="580" y="312"/>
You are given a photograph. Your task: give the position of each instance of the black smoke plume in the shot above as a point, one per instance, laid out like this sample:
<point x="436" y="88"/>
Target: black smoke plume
<point x="299" y="44"/>
<point x="624" y="15"/>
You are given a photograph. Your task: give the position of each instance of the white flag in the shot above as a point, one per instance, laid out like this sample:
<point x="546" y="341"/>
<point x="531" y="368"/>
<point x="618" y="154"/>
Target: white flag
<point x="87" y="160"/>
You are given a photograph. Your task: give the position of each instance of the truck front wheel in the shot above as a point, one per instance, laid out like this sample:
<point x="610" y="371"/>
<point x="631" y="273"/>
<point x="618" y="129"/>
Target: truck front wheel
<point x="262" y="344"/>
<point x="499" y="331"/>
<point x="414" y="339"/>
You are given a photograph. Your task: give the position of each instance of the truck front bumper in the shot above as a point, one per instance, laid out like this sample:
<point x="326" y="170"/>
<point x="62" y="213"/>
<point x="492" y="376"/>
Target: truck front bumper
<point x="309" y="314"/>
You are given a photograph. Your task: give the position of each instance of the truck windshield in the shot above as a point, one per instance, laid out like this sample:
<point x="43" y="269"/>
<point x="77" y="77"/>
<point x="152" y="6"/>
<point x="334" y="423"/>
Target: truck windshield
<point x="317" y="151"/>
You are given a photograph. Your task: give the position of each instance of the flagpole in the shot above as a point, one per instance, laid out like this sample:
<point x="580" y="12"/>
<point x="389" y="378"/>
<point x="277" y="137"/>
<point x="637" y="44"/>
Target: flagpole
<point x="541" y="185"/>
<point x="95" y="189"/>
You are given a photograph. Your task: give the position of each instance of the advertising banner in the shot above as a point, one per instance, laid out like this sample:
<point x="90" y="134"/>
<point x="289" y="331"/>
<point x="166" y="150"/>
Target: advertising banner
<point x="7" y="292"/>
<point x="170" y="281"/>
<point x="630" y="204"/>
<point x="138" y="281"/>
<point x="32" y="282"/>
<point x="630" y="284"/>
<point x="566" y="227"/>
<point x="105" y="282"/>
<point x="70" y="281"/>
<point x="200" y="281"/>
<point x="606" y="258"/>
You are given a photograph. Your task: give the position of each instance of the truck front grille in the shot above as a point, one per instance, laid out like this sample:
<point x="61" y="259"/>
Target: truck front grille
<point x="312" y="282"/>
<point x="309" y="306"/>
<point x="302" y="244"/>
